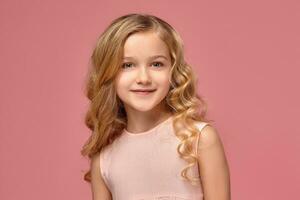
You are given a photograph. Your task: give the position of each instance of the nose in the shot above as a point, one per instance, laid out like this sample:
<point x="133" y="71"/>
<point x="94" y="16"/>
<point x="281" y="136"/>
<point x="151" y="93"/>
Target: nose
<point x="143" y="76"/>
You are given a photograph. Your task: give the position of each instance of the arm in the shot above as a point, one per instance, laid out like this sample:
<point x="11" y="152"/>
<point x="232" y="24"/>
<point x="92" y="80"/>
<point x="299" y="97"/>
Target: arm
<point x="213" y="167"/>
<point x="99" y="189"/>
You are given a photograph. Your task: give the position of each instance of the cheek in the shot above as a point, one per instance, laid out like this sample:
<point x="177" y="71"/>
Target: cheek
<point x="121" y="81"/>
<point x="163" y="80"/>
<point x="119" y="85"/>
<point x="123" y="85"/>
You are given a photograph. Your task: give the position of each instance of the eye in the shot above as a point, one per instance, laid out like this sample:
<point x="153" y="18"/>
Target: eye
<point x="158" y="64"/>
<point x="126" y="65"/>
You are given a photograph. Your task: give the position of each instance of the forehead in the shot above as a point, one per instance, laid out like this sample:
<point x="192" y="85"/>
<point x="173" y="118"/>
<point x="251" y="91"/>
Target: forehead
<point x="145" y="44"/>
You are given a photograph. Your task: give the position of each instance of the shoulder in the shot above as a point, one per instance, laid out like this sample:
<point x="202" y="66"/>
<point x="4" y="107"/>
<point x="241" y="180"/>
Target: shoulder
<point x="95" y="162"/>
<point x="95" y="167"/>
<point x="213" y="165"/>
<point x="99" y="187"/>
<point x="208" y="135"/>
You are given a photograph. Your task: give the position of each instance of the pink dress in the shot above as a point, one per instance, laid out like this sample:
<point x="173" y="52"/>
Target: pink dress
<point x="146" y="166"/>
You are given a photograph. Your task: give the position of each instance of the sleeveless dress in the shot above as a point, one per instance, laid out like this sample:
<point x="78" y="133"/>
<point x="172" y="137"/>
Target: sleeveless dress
<point x="146" y="166"/>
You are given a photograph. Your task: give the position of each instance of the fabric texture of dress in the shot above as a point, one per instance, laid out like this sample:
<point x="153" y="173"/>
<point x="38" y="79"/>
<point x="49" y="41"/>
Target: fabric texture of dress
<point x="146" y="166"/>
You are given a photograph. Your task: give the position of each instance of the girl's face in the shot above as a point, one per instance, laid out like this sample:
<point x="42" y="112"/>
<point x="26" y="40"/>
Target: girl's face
<point x="146" y="66"/>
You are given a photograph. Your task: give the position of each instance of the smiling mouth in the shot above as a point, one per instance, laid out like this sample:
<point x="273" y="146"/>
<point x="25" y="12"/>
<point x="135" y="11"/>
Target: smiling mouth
<point x="143" y="92"/>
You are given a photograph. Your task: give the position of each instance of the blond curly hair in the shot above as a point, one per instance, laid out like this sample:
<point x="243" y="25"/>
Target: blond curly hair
<point x="106" y="116"/>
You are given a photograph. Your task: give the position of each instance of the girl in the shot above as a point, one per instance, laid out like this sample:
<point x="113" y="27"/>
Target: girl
<point x="150" y="137"/>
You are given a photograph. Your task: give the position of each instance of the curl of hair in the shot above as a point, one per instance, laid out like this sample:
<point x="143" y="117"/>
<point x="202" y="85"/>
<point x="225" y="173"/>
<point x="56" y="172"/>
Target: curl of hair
<point x="106" y="116"/>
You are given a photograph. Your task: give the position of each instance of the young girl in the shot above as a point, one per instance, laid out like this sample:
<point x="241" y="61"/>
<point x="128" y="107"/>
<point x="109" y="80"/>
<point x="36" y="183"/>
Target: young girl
<point x="150" y="138"/>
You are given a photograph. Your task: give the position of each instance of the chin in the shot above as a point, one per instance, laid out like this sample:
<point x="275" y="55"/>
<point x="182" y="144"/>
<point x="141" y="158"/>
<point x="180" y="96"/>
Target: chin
<point x="143" y="107"/>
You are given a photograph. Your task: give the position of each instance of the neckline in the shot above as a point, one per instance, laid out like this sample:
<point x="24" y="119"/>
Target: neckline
<point x="150" y="130"/>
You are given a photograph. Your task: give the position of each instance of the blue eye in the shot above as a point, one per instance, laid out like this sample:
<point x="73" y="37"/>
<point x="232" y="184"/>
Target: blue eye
<point x="125" y="65"/>
<point x="128" y="65"/>
<point x="158" y="63"/>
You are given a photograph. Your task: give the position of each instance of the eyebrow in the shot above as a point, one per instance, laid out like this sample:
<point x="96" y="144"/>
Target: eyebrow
<point x="152" y="57"/>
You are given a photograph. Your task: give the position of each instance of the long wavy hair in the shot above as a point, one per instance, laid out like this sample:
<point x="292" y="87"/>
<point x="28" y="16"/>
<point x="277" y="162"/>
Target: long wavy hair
<point x="106" y="116"/>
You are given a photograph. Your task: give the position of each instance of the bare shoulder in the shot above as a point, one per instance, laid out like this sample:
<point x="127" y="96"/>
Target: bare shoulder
<point x="209" y="136"/>
<point x="100" y="190"/>
<point x="213" y="165"/>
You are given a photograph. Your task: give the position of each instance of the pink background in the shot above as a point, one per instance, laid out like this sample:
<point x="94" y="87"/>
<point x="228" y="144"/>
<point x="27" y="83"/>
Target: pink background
<point x="246" y="54"/>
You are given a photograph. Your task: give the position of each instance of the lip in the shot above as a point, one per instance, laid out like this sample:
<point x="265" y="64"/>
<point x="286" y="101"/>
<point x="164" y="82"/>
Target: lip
<point x="143" y="92"/>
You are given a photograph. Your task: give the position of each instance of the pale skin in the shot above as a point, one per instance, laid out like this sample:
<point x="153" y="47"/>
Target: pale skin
<point x="213" y="165"/>
<point x="146" y="65"/>
<point x="144" y="73"/>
